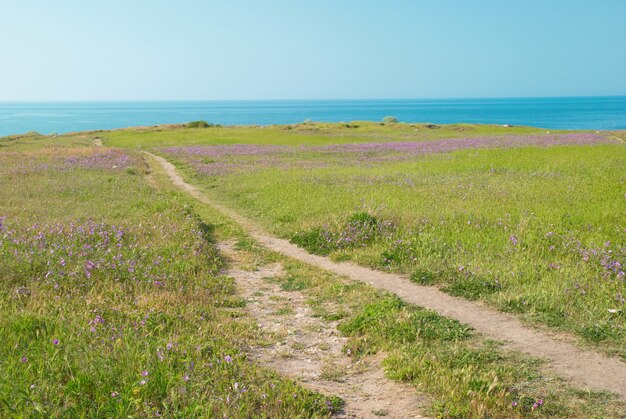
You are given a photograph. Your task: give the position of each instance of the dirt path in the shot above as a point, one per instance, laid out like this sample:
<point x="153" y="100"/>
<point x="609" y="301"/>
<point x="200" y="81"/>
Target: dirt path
<point x="585" y="368"/>
<point x="308" y="349"/>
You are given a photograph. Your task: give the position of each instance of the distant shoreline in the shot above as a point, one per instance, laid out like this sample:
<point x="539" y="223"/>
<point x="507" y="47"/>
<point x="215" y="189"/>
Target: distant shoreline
<point x="572" y="113"/>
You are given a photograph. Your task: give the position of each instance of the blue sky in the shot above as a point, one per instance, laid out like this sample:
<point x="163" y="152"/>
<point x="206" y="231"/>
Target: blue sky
<point x="318" y="49"/>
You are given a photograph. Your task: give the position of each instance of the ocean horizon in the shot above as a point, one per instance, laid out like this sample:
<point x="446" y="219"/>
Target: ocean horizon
<point x="571" y="113"/>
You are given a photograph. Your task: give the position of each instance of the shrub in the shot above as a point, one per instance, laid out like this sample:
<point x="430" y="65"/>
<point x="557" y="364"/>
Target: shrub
<point x="390" y="120"/>
<point x="363" y="218"/>
<point x="201" y="124"/>
<point x="319" y="241"/>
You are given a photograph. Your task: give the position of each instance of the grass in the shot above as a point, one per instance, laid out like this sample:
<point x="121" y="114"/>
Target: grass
<point x="307" y="133"/>
<point x="461" y="373"/>
<point x="531" y="229"/>
<point x="111" y="300"/>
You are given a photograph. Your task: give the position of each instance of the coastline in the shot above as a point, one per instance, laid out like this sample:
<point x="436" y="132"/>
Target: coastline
<point x="571" y="113"/>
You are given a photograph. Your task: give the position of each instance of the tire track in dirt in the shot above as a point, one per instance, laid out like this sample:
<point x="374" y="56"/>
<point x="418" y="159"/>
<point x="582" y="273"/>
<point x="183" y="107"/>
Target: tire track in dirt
<point x="309" y="349"/>
<point x="585" y="368"/>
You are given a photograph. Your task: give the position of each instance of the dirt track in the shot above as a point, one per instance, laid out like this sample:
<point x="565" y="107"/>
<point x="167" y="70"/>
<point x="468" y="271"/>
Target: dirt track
<point x="585" y="368"/>
<point x="309" y="348"/>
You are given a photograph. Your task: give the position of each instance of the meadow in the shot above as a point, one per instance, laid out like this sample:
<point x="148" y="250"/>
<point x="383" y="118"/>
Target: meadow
<point x="529" y="221"/>
<point x="114" y="302"/>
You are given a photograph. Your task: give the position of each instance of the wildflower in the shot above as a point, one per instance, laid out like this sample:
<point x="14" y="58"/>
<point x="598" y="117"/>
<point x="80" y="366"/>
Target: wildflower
<point x="114" y="394"/>
<point x="55" y="341"/>
<point x="142" y="382"/>
<point x="186" y="377"/>
<point x="513" y="404"/>
<point x="228" y="359"/>
<point x="144" y="373"/>
<point x="24" y="360"/>
<point x="169" y="346"/>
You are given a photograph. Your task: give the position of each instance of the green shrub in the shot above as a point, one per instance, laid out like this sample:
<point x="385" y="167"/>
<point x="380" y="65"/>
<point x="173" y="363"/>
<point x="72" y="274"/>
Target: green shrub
<point x="201" y="124"/>
<point x="363" y="218"/>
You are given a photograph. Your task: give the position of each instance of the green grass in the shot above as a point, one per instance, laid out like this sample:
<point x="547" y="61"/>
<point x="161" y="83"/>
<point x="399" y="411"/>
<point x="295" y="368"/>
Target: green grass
<point x="111" y="301"/>
<point x="528" y="230"/>
<point x="307" y="133"/>
<point x="462" y="374"/>
<point x="512" y="227"/>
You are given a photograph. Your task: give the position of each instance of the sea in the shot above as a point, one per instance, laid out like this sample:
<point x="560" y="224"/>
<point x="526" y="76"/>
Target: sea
<point x="585" y="113"/>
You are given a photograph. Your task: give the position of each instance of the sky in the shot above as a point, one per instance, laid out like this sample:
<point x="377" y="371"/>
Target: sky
<point x="71" y="50"/>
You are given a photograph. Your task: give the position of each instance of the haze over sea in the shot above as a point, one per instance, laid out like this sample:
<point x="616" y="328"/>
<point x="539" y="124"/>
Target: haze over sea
<point x="589" y="113"/>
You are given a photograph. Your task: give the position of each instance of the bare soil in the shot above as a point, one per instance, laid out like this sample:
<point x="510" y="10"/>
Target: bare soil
<point x="308" y="349"/>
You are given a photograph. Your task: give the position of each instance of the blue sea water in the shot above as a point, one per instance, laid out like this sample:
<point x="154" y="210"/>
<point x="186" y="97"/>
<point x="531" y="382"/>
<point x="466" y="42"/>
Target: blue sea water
<point x="594" y="113"/>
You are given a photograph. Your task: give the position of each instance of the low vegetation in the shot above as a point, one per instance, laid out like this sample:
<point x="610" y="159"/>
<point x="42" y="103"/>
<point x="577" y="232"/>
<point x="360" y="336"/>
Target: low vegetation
<point x="113" y="302"/>
<point x="532" y="224"/>
<point x="200" y="124"/>
<point x="463" y="374"/>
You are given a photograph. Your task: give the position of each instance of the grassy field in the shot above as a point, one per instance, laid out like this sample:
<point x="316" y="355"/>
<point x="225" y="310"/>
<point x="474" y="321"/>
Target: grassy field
<point x="306" y="133"/>
<point x="113" y="302"/>
<point x="111" y="299"/>
<point x="528" y="221"/>
<point x="462" y="373"/>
